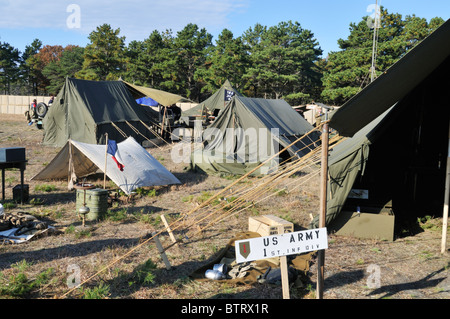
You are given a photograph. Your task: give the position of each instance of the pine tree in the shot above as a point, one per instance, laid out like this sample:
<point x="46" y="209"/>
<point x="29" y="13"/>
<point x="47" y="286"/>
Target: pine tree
<point x="104" y="57"/>
<point x="349" y="70"/>
<point x="228" y="59"/>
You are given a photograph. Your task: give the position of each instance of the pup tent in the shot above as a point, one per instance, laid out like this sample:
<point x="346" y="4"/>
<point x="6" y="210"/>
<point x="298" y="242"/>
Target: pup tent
<point x="212" y="105"/>
<point x="77" y="160"/>
<point x="393" y="166"/>
<point x="86" y="110"/>
<point x="167" y="112"/>
<point x="161" y="97"/>
<point x="248" y="132"/>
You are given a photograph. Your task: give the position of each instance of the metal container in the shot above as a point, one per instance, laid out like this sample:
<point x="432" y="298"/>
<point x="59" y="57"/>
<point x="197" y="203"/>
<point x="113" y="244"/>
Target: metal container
<point x="220" y="267"/>
<point x="214" y="274"/>
<point x="17" y="193"/>
<point x="12" y="154"/>
<point x="96" y="201"/>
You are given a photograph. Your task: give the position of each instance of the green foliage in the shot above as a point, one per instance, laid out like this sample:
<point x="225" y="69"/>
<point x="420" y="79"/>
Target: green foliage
<point x="104" y="56"/>
<point x="68" y="65"/>
<point x="228" y="59"/>
<point x="146" y="192"/>
<point x="9" y="60"/>
<point x="281" y="61"/>
<point x="144" y="273"/>
<point x="99" y="292"/>
<point x="44" y="188"/>
<point x="18" y="285"/>
<point x="116" y="215"/>
<point x="347" y="71"/>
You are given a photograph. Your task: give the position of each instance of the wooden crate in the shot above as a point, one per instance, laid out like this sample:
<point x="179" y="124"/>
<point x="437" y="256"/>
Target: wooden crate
<point x="267" y="225"/>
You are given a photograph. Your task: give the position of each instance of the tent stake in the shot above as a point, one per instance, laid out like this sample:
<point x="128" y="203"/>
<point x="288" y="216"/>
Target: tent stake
<point x="161" y="251"/>
<point x="172" y="237"/>
<point x="447" y="193"/>
<point x="323" y="207"/>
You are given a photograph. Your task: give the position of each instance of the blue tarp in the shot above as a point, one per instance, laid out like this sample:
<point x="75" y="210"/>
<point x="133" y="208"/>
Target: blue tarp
<point x="147" y="101"/>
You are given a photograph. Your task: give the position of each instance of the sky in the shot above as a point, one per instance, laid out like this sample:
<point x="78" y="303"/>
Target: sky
<point x="63" y="22"/>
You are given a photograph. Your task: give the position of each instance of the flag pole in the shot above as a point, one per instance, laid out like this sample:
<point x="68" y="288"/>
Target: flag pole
<point x="323" y="205"/>
<point x="106" y="157"/>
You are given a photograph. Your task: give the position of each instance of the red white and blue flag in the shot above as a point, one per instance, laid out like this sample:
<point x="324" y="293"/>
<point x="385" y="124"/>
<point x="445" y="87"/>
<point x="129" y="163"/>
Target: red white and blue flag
<point x="113" y="150"/>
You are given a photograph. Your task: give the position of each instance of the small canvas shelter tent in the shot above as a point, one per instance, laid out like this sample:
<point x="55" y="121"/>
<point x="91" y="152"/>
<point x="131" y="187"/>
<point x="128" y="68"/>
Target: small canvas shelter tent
<point x="248" y="132"/>
<point x="162" y="97"/>
<point x="77" y="160"/>
<point x="399" y="129"/>
<point x="86" y="110"/>
<point x="216" y="102"/>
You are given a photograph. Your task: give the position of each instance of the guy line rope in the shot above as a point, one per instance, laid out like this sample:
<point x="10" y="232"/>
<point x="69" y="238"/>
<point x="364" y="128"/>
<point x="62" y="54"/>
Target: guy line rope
<point x="288" y="170"/>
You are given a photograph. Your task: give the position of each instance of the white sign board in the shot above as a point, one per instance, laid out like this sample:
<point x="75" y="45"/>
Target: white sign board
<point x="281" y="245"/>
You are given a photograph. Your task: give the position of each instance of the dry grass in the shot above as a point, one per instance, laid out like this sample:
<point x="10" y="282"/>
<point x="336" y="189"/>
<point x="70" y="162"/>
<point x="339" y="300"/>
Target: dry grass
<point x="410" y="267"/>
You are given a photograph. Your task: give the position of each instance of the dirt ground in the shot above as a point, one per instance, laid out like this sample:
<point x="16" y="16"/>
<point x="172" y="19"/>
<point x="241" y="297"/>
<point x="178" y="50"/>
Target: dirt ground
<point x="410" y="267"/>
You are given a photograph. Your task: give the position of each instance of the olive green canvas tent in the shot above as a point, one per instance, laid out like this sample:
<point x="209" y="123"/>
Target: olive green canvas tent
<point x="86" y="111"/>
<point x="250" y="131"/>
<point x="162" y="97"/>
<point x="394" y="162"/>
<point x="215" y="103"/>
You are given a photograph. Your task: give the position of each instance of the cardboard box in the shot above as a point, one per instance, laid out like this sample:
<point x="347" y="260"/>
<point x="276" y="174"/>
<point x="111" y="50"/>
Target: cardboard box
<point x="267" y="225"/>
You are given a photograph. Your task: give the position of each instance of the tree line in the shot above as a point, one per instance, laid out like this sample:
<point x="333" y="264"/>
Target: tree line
<point x="280" y="62"/>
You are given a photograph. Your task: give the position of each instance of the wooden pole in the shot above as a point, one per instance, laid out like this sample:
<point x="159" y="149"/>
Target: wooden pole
<point x="161" y="251"/>
<point x="284" y="277"/>
<point x="172" y="237"/>
<point x="106" y="157"/>
<point x="446" y="200"/>
<point x="163" y="121"/>
<point x="323" y="208"/>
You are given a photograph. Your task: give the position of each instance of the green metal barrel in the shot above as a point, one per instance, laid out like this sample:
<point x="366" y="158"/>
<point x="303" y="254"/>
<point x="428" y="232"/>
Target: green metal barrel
<point x="96" y="200"/>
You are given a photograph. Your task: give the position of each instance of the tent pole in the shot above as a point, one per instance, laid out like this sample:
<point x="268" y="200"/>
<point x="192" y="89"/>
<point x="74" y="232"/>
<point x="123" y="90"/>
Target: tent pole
<point x="446" y="201"/>
<point x="106" y="157"/>
<point x="323" y="207"/>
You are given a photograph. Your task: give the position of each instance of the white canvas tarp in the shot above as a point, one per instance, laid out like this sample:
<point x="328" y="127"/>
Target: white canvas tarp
<point x="76" y="160"/>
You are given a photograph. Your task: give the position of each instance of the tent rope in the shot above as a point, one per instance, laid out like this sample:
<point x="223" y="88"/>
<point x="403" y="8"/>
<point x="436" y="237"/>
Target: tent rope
<point x="289" y="170"/>
<point x="119" y="130"/>
<point x="137" y="132"/>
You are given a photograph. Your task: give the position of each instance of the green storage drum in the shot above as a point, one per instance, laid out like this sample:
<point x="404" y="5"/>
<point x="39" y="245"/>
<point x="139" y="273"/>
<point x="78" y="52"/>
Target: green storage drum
<point x="96" y="200"/>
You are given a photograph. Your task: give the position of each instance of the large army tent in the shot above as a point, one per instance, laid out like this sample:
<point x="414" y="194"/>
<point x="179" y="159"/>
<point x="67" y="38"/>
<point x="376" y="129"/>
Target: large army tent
<point x="395" y="158"/>
<point x="77" y="160"/>
<point x="248" y="132"/>
<point x="86" y="110"/>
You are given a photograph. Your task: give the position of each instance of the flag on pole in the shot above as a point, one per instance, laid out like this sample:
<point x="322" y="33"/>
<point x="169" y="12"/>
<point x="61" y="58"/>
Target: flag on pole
<point x="114" y="151"/>
<point x="228" y="95"/>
